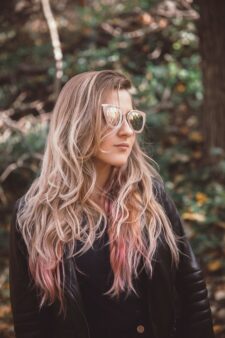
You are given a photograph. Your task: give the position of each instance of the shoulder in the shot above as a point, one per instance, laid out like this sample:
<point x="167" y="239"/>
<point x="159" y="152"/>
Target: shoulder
<point x="16" y="239"/>
<point x="160" y="193"/>
<point x="16" y="207"/>
<point x="158" y="188"/>
<point x="19" y="203"/>
<point x="163" y="197"/>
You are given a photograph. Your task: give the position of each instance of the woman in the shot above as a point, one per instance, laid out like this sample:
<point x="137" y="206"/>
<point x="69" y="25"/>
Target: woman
<point x="97" y="246"/>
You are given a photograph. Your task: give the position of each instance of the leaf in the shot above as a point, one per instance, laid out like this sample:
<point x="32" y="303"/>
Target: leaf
<point x="5" y="310"/>
<point x="146" y="18"/>
<point x="191" y="216"/>
<point x="201" y="198"/>
<point x="215" y="265"/>
<point x="180" y="88"/>
<point x="218" y="328"/>
<point x="196" y="136"/>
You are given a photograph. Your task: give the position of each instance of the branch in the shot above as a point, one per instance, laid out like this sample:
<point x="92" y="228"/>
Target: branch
<point x="6" y="121"/>
<point x="58" y="56"/>
<point x="20" y="164"/>
<point x="130" y="35"/>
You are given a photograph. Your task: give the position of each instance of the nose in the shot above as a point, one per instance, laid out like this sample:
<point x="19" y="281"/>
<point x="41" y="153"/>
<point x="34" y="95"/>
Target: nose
<point x="125" y="128"/>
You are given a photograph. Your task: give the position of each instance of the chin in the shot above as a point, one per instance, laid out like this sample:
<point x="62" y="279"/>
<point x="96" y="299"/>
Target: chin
<point x="118" y="163"/>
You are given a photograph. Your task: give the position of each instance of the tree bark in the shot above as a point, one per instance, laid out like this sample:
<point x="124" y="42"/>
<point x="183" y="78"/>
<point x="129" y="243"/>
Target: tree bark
<point x="211" y="27"/>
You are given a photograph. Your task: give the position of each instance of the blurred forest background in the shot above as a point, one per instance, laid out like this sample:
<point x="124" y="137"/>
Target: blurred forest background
<point x="174" y="52"/>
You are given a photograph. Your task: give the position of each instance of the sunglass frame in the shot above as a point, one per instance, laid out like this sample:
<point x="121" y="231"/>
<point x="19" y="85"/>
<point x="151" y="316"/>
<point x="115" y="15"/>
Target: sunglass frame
<point x="106" y="105"/>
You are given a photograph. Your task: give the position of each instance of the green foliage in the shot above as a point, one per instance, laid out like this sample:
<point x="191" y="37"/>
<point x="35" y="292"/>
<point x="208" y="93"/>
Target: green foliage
<point x="15" y="146"/>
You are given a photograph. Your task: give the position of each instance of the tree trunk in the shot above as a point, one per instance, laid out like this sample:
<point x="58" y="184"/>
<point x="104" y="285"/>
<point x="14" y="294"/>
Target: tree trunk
<point x="211" y="28"/>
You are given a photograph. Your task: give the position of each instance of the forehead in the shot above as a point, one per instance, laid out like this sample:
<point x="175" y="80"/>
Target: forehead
<point x="121" y="98"/>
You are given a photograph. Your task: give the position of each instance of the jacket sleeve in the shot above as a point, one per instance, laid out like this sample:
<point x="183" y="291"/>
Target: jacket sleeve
<point x="26" y="315"/>
<point x="195" y="319"/>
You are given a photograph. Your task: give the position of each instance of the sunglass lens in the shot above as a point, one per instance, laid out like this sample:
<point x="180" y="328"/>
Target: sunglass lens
<point x="112" y="115"/>
<point x="136" y="120"/>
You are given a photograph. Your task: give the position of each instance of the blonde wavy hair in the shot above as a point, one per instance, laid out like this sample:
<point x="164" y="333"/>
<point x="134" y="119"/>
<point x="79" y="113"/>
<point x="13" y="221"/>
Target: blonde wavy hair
<point x="59" y="208"/>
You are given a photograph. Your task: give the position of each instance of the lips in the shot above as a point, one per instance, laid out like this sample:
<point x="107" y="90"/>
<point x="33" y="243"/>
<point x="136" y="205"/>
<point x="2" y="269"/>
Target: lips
<point x="122" y="145"/>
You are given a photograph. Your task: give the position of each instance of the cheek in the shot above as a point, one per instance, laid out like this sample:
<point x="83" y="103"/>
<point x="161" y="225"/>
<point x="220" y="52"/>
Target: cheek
<point x="133" y="139"/>
<point x="108" y="138"/>
<point x="107" y="144"/>
<point x="106" y="147"/>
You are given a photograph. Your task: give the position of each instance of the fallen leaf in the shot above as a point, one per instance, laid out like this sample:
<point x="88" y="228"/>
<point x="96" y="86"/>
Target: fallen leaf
<point x="195" y="136"/>
<point x="214" y="265"/>
<point x="189" y="216"/>
<point x="201" y="198"/>
<point x="4" y="310"/>
<point x="217" y="328"/>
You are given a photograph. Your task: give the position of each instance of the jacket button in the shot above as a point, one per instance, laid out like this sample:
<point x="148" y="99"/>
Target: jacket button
<point x="140" y="328"/>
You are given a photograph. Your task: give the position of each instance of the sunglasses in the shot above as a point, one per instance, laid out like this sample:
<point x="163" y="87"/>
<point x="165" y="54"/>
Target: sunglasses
<point x="114" y="117"/>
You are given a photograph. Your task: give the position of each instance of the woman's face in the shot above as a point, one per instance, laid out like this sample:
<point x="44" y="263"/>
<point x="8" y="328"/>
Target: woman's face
<point x="109" y="153"/>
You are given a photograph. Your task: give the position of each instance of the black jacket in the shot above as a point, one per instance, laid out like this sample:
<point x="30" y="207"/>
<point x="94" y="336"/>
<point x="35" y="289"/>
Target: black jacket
<point x="177" y="298"/>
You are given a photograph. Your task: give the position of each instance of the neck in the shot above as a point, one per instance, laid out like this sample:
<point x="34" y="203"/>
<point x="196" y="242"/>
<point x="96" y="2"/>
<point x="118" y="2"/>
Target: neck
<point x="103" y="175"/>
